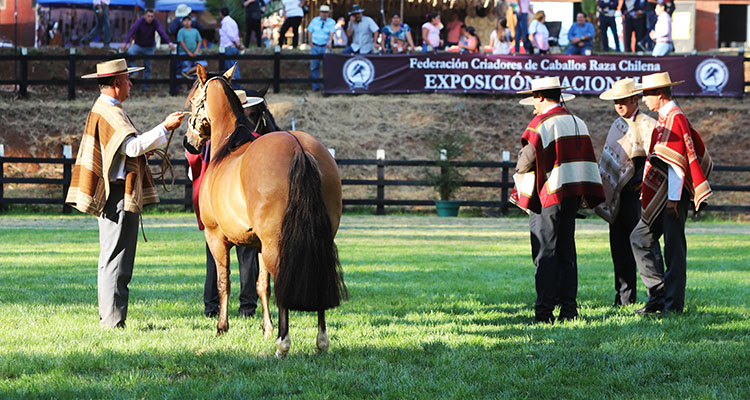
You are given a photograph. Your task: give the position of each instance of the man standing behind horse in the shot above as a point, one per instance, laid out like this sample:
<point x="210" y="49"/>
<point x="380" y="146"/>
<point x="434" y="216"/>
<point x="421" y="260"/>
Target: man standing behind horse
<point x="112" y="182"/>
<point x="621" y="167"/>
<point x="557" y="171"/>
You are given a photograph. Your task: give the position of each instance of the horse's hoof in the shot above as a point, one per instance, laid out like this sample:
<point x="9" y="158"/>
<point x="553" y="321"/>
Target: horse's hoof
<point x="282" y="346"/>
<point x="322" y="342"/>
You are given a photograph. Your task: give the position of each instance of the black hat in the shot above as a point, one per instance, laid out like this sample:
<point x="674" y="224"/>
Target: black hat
<point x="356" y="9"/>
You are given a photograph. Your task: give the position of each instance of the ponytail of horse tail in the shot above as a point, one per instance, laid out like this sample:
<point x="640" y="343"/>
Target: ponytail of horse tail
<point x="309" y="276"/>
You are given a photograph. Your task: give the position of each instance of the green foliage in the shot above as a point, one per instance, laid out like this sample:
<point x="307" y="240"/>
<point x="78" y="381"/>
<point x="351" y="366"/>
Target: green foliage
<point x="588" y="7"/>
<point x="236" y="11"/>
<point x="447" y="145"/>
<point x="438" y="309"/>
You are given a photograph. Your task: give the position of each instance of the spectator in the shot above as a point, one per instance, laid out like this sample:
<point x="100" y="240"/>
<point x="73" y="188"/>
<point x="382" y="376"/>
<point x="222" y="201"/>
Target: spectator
<point x="500" y="37"/>
<point x="101" y="12"/>
<point x="454" y="29"/>
<point x="339" y="35"/>
<point x="522" y="27"/>
<point x="229" y="39"/>
<point x="142" y="35"/>
<point x="320" y="32"/>
<point x="469" y="42"/>
<point x="581" y="36"/>
<point x="396" y="37"/>
<point x="607" y="10"/>
<point x="632" y="10"/>
<point x="431" y="32"/>
<point x="253" y="15"/>
<point x="363" y="31"/>
<point x="539" y="34"/>
<point x="293" y="14"/>
<point x="662" y="33"/>
<point x="174" y="27"/>
<point x="190" y="41"/>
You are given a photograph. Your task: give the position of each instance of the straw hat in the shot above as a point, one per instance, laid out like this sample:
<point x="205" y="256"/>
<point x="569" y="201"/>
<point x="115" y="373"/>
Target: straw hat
<point x="546" y="83"/>
<point x="621" y="89"/>
<point x="529" y="101"/>
<point x="656" y="81"/>
<point x="247" y="101"/>
<point x="183" y="10"/>
<point x="325" y="8"/>
<point x="112" y="68"/>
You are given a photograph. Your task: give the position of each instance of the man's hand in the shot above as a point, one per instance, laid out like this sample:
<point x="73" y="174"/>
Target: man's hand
<point x="124" y="47"/>
<point x="173" y="121"/>
<point x="172" y="47"/>
<point x="672" y="209"/>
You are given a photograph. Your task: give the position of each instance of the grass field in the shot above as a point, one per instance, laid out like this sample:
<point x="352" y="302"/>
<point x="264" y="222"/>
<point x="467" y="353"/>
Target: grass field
<point x="439" y="308"/>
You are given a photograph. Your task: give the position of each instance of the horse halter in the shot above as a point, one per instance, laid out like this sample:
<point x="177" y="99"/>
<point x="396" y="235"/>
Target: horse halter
<point x="199" y="118"/>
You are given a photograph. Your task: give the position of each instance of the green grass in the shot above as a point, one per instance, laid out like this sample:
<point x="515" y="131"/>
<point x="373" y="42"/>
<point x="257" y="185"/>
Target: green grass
<point x="439" y="308"/>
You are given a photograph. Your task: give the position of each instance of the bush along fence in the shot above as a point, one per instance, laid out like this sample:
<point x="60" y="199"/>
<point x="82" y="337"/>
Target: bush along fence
<point x="74" y="80"/>
<point x="499" y="171"/>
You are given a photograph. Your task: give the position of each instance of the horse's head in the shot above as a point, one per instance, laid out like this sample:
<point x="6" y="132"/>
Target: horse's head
<point x="199" y="123"/>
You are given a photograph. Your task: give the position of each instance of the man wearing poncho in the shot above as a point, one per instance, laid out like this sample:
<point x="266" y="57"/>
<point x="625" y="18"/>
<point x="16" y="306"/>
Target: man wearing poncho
<point x="556" y="174"/>
<point x="621" y="168"/>
<point x="676" y="172"/>
<point x="112" y="182"/>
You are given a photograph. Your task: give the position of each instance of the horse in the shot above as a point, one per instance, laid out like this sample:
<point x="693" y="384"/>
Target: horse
<point x="280" y="193"/>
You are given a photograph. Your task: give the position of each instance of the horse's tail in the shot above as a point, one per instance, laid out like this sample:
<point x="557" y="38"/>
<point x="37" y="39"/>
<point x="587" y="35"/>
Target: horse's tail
<point x="309" y="276"/>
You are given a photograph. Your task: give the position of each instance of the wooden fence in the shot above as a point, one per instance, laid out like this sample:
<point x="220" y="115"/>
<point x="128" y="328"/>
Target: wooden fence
<point x="499" y="177"/>
<point x="73" y="81"/>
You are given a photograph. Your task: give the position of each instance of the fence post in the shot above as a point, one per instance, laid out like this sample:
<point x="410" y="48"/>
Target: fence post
<point x="67" y="172"/>
<point x="188" y="190"/>
<point x="2" y="155"/>
<point x="72" y="74"/>
<point x="380" y="156"/>
<point x="276" y="68"/>
<point x="172" y="73"/>
<point x="221" y="60"/>
<point x="24" y="73"/>
<point x="504" y="196"/>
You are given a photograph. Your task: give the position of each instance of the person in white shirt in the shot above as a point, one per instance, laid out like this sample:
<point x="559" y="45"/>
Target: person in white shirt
<point x="539" y="34"/>
<point x="229" y="39"/>
<point x="293" y="13"/>
<point x="500" y="37"/>
<point x="363" y="31"/>
<point x="662" y="33"/>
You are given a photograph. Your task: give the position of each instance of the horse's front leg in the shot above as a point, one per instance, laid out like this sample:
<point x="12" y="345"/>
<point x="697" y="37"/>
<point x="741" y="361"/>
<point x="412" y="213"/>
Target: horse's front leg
<point x="283" y="342"/>
<point x="220" y="250"/>
<point x="262" y="289"/>
<point x="322" y="339"/>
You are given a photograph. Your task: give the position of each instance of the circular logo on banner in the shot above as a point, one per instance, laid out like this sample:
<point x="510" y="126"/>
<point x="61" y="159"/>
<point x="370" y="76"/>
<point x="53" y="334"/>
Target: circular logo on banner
<point x="358" y="72"/>
<point x="712" y="75"/>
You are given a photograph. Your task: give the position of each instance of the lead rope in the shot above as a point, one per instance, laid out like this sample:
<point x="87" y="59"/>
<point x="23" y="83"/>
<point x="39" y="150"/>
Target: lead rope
<point x="143" y="232"/>
<point x="166" y="164"/>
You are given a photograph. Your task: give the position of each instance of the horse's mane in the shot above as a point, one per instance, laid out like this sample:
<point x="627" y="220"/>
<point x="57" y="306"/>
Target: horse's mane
<point x="242" y="132"/>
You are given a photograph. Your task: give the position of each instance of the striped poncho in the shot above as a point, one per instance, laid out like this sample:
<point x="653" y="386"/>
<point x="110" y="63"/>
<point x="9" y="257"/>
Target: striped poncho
<point x="674" y="142"/>
<point x="107" y="126"/>
<point x="565" y="163"/>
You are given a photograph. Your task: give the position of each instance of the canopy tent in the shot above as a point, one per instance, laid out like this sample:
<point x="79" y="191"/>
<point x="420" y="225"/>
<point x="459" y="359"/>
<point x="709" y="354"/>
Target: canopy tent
<point x="171" y="5"/>
<point x="85" y="3"/>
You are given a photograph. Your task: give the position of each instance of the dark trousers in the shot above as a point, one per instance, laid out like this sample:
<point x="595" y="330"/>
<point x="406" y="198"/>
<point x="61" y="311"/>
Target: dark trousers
<point x="553" y="249"/>
<point x="637" y="25"/>
<point x="253" y="26"/>
<point x="292" y="22"/>
<point x="608" y="23"/>
<point x="622" y="253"/>
<point x="651" y="18"/>
<point x="664" y="289"/>
<point x="522" y="33"/>
<point x="247" y="258"/>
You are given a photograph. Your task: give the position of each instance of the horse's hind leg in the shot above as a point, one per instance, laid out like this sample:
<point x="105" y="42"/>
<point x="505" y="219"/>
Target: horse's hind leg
<point x="283" y="342"/>
<point x="262" y="289"/>
<point x="322" y="339"/>
<point x="220" y="250"/>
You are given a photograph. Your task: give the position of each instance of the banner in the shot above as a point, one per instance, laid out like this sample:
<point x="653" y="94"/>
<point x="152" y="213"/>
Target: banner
<point x="485" y="73"/>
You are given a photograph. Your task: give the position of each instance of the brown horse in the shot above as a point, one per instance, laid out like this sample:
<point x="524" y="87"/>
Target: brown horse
<point x="280" y="193"/>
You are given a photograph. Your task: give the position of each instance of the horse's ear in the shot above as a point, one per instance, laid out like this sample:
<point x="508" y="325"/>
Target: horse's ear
<point x="201" y="72"/>
<point x="230" y="72"/>
<point x="265" y="90"/>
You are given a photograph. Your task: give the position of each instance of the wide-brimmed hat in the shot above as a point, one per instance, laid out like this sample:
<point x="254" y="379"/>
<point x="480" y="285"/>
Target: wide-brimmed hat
<point x="112" y="68"/>
<point x="325" y="8"/>
<point x="529" y="101"/>
<point x="183" y="10"/>
<point x="247" y="101"/>
<point x="356" y="9"/>
<point x="546" y="83"/>
<point x="621" y="89"/>
<point x="656" y="81"/>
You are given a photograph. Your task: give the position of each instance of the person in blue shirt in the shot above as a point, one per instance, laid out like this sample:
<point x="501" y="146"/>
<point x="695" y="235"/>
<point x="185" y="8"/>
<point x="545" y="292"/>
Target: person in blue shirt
<point x="581" y="36"/>
<point x="190" y="42"/>
<point x="320" y="32"/>
<point x="396" y="37"/>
